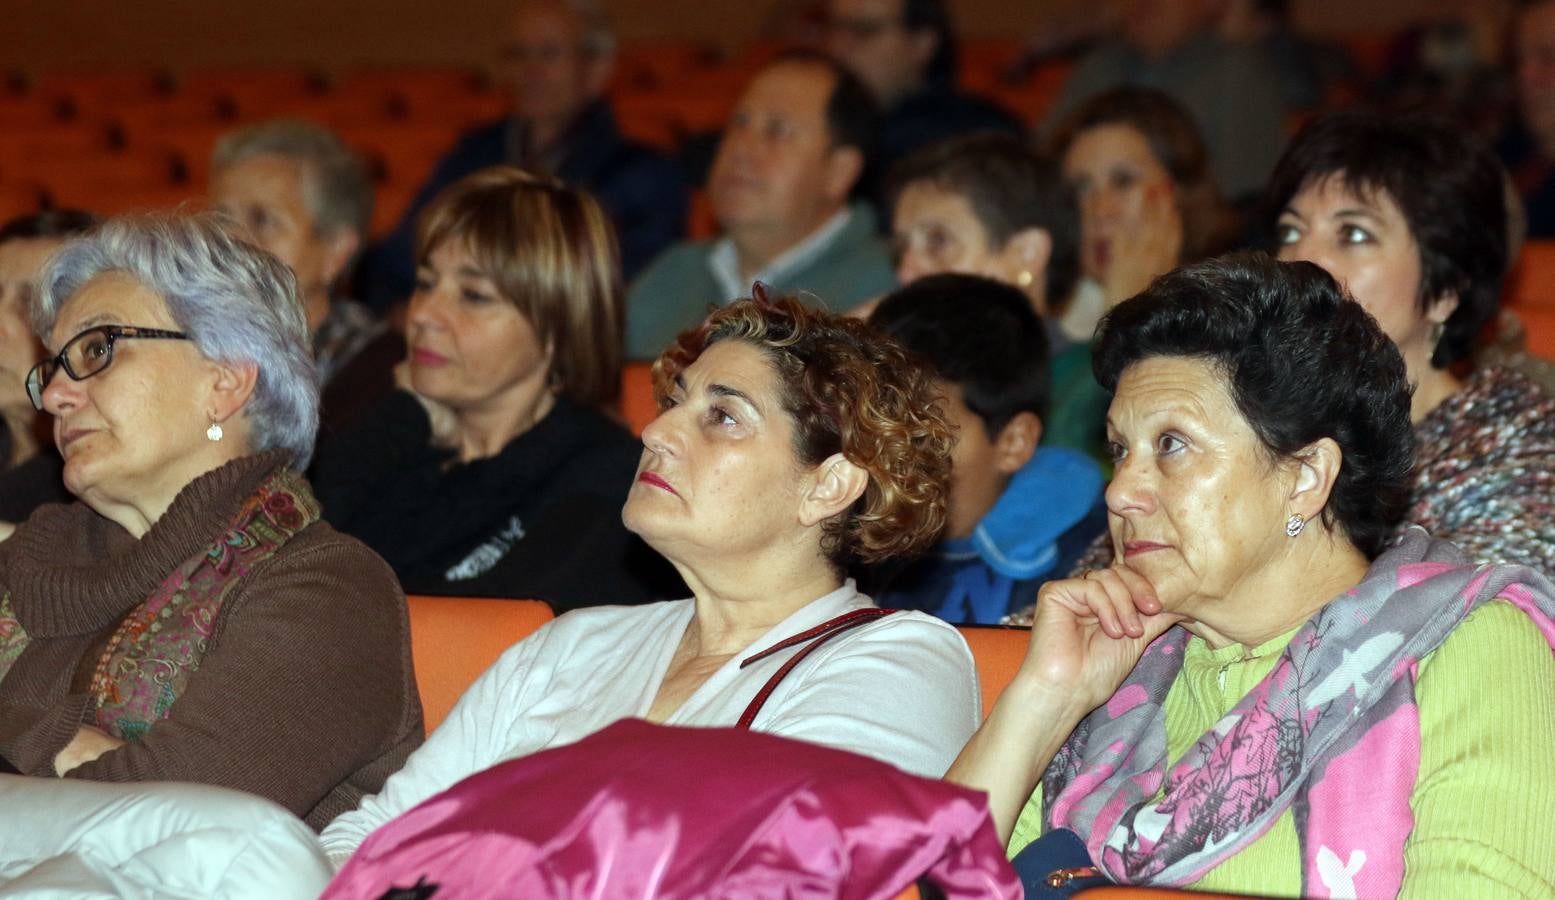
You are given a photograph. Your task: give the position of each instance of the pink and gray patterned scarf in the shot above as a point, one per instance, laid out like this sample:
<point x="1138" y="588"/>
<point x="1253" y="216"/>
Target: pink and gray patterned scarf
<point x="1307" y="737"/>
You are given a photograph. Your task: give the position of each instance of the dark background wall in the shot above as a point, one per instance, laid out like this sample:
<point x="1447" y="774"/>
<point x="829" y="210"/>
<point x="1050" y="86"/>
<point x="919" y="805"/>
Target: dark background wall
<point x="68" y="34"/>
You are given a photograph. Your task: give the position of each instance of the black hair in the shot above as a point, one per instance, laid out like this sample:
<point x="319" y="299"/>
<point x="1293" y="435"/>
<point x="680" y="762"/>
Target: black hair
<point x="851" y="113"/>
<point x="50" y="223"/>
<point x="977" y="333"/>
<point x="1447" y="183"/>
<point x="1302" y="361"/>
<point x="1010" y="188"/>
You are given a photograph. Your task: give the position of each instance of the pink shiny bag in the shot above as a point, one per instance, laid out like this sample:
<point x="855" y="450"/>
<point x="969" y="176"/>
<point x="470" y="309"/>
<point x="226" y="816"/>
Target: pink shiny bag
<point x="640" y="810"/>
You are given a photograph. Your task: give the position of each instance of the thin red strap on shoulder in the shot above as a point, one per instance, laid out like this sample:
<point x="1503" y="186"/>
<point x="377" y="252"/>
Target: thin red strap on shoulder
<point x="817" y="636"/>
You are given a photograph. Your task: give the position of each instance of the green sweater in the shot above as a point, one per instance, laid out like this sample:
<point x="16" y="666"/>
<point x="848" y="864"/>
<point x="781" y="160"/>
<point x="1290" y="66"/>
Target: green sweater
<point x="676" y="290"/>
<point x="1484" y="801"/>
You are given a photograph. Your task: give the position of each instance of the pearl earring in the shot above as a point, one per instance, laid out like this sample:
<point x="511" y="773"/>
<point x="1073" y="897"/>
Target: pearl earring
<point x="1293" y="525"/>
<point x="214" y="433"/>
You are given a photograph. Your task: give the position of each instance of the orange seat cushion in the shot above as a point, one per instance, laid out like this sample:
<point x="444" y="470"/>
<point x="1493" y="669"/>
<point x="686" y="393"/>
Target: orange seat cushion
<point x="454" y="639"/>
<point x="998" y="652"/>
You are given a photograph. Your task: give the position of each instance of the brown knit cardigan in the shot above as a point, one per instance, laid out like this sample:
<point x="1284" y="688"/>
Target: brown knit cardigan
<point x="305" y="696"/>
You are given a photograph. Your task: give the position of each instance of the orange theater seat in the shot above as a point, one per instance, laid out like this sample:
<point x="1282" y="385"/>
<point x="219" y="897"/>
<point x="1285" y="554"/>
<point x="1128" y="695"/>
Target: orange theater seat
<point x="454" y="639"/>
<point x="1532" y="280"/>
<point x="1530" y="292"/>
<point x="998" y="652"/>
<point x="638" y="406"/>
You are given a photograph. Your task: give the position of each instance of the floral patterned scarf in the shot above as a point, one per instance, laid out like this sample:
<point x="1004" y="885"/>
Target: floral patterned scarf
<point x="1306" y="737"/>
<point x="164" y="639"/>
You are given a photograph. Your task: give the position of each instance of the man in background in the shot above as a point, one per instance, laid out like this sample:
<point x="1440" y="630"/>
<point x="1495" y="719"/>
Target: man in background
<point x="557" y="64"/>
<point x="790" y="155"/>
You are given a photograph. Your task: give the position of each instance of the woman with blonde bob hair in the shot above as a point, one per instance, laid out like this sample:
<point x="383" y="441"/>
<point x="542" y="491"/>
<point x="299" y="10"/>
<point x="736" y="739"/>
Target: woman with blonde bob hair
<point x="494" y="471"/>
<point x="791" y="444"/>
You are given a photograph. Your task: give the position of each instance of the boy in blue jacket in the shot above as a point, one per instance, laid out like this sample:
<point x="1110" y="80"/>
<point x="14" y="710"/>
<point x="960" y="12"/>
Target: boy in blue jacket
<point x="1019" y="513"/>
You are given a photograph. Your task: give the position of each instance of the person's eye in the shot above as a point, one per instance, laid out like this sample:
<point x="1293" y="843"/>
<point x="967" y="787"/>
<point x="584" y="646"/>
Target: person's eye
<point x="717" y="415"/>
<point x="1121" y="179"/>
<point x="1080" y="186"/>
<point x="936" y="241"/>
<point x="472" y="296"/>
<point x="1116" y="451"/>
<point x="1168" y="443"/>
<point x="93" y="348"/>
<point x="1286" y="234"/>
<point x="667" y="402"/>
<point x="425" y="281"/>
<point x="1354" y="234"/>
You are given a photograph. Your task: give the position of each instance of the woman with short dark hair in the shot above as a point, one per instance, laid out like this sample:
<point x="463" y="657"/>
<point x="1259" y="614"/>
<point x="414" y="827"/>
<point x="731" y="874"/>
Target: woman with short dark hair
<point x="1409" y="214"/>
<point x="1258" y="697"/>
<point x="496" y="470"/>
<point x="791" y="444"/>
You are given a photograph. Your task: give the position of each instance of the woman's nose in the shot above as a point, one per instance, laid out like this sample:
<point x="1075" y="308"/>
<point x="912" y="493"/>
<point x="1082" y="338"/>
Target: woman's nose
<point x="61" y="393"/>
<point x="1129" y="491"/>
<point x="911" y="267"/>
<point x="424" y="306"/>
<point x="658" y="434"/>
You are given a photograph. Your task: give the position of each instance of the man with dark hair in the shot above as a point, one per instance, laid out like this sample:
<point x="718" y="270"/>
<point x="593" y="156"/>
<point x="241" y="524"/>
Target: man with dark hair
<point x="789" y="157"/>
<point x="1018" y="513"/>
<point x="905" y="53"/>
<point x="557" y="62"/>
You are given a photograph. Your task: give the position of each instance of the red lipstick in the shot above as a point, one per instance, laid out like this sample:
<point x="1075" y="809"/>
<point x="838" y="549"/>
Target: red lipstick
<point x="1136" y="548"/>
<point x="657" y="481"/>
<point x="427" y="358"/>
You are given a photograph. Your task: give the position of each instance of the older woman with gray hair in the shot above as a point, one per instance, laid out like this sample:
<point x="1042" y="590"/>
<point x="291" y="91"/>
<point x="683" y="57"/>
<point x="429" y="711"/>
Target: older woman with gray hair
<point x="191" y="618"/>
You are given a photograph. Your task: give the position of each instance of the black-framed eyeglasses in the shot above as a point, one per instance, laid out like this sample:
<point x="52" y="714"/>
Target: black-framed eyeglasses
<point x="87" y="354"/>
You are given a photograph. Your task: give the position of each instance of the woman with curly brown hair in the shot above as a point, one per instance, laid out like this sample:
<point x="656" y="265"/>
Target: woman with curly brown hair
<point x="791" y="444"/>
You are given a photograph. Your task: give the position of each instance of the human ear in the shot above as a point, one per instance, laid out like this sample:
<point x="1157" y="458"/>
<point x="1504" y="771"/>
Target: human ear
<point x="924" y="45"/>
<point x="844" y="165"/>
<point x="1017" y="441"/>
<point x="834" y="486"/>
<point x="342" y="247"/>
<point x="597" y="72"/>
<point x="1317" y="468"/>
<point x="1442" y="308"/>
<point x="231" y="386"/>
<point x="1026" y="255"/>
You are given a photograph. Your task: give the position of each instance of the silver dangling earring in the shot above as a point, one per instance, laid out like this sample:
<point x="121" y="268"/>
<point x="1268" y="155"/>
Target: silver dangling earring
<point x="1293" y="525"/>
<point x="214" y="433"/>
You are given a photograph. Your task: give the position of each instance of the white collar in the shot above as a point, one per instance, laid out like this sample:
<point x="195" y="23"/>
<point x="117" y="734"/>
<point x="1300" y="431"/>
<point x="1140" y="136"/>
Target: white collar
<point x="724" y="261"/>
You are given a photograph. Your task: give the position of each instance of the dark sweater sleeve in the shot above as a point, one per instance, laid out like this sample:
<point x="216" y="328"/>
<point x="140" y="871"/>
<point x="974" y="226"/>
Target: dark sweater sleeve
<point x="308" y="680"/>
<point x="352" y="464"/>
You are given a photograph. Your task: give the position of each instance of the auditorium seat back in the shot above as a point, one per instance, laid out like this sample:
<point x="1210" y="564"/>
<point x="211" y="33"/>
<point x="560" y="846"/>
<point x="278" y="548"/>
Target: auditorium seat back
<point x="998" y="652"/>
<point x="455" y="639"/>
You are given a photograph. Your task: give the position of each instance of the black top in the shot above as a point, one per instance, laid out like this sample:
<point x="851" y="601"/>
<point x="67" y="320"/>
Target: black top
<point x="541" y="519"/>
<point x="643" y="191"/>
<point x="25" y="487"/>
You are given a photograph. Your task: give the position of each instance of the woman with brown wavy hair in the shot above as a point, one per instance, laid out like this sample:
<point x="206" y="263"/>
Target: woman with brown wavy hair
<point x="791" y="444"/>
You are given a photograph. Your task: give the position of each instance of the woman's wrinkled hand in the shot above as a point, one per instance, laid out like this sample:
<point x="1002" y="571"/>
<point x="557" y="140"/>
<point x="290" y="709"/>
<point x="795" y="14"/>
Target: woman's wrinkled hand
<point x="88" y="744"/>
<point x="1090" y="631"/>
<point x="444" y="424"/>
